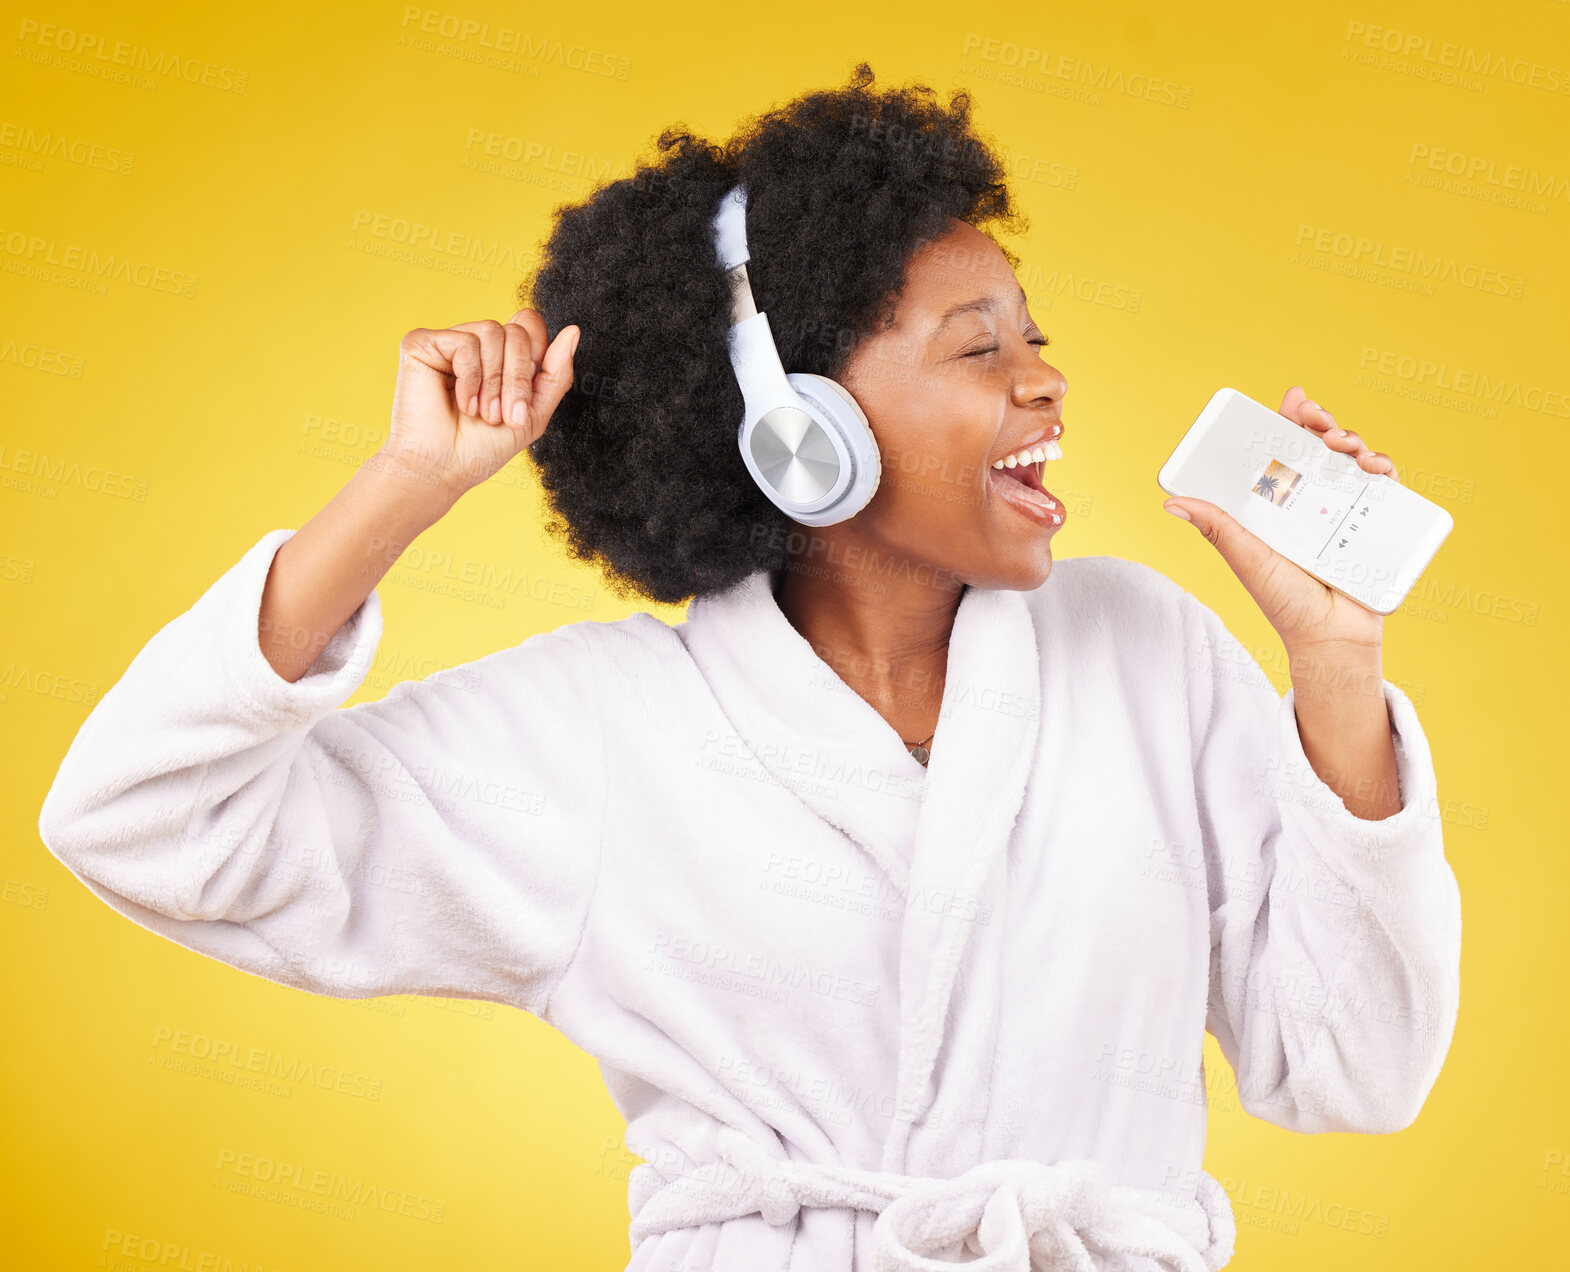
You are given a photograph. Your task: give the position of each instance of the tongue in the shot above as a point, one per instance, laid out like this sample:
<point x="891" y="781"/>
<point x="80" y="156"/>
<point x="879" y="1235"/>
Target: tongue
<point x="1019" y="490"/>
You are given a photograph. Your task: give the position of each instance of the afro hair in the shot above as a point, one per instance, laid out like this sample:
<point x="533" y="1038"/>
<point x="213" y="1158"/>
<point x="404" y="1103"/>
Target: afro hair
<point x="639" y="462"/>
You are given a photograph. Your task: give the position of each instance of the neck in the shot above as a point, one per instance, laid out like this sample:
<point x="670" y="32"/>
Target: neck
<point x="883" y="625"/>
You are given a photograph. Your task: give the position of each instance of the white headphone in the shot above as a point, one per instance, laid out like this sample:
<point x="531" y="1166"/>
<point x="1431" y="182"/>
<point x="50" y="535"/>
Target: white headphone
<point x="803" y="437"/>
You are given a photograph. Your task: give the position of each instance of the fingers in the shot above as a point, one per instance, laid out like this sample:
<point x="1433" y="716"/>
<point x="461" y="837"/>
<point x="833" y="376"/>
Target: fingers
<point x="530" y="325"/>
<point x="542" y="374"/>
<point x="448" y="351"/>
<point x="1378" y="462"/>
<point x="1303" y="410"/>
<point x="556" y="374"/>
<point x="467" y="369"/>
<point x="485" y="399"/>
<point x="511" y="354"/>
<point x="1244" y="551"/>
<point x="1349" y="443"/>
<point x="502" y="373"/>
<point x="517" y="375"/>
<point x="532" y="321"/>
<point x="1292" y="401"/>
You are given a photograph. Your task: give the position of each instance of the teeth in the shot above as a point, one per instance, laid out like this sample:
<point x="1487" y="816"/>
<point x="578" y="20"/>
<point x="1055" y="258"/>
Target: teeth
<point x="1031" y="455"/>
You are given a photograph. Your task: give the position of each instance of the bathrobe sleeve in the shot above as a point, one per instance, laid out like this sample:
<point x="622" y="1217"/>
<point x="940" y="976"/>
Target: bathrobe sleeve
<point x="1335" y="941"/>
<point x="443" y="840"/>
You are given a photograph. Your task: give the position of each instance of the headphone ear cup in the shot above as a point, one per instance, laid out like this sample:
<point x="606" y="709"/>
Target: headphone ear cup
<point x="840" y="391"/>
<point x="836" y="402"/>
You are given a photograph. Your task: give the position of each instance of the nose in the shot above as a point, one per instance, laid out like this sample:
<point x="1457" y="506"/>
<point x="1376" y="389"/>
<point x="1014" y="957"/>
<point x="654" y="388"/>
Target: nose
<point x="1041" y="385"/>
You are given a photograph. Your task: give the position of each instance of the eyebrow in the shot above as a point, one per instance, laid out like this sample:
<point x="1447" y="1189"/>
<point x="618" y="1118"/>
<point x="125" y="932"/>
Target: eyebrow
<point x="982" y="304"/>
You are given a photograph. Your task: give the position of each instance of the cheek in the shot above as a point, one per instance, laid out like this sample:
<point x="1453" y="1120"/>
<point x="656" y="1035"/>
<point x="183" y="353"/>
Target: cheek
<point x="934" y="438"/>
<point x="935" y="477"/>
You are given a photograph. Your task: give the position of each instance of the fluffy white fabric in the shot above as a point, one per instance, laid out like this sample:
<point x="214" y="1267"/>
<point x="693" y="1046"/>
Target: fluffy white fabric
<point x="856" y="1012"/>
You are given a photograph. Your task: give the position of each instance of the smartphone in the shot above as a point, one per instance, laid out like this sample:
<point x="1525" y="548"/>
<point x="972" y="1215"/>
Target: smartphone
<point x="1362" y="533"/>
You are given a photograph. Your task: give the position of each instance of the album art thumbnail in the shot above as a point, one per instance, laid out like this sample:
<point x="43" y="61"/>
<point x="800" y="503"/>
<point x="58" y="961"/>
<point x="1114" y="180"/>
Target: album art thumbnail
<point x="1277" y="482"/>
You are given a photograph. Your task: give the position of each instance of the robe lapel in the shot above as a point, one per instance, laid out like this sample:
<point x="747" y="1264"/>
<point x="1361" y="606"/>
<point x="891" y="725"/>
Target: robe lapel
<point x="982" y="756"/>
<point x="938" y="833"/>
<point x="806" y="726"/>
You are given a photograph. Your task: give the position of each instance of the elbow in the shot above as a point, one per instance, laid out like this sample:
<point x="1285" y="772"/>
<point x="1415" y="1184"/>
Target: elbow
<point x="84" y="832"/>
<point x="1385" y="1054"/>
<point x="1374" y="1108"/>
<point x="1396" y="1062"/>
<point x="166" y="868"/>
<point x="1418" y="1068"/>
<point x="80" y="817"/>
<point x="60" y="828"/>
<point x="1380" y="1090"/>
<point x="1362" y="1108"/>
<point x="1363" y="1085"/>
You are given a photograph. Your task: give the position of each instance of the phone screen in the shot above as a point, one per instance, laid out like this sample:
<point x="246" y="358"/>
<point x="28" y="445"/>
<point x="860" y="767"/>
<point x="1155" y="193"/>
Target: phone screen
<point x="1321" y="514"/>
<point x="1360" y="532"/>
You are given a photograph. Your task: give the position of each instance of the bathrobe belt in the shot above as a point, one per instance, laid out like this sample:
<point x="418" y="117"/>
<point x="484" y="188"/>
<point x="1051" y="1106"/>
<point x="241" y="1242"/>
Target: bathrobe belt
<point x="1006" y="1211"/>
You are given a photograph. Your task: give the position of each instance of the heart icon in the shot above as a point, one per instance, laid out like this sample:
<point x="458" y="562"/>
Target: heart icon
<point x="1324" y="510"/>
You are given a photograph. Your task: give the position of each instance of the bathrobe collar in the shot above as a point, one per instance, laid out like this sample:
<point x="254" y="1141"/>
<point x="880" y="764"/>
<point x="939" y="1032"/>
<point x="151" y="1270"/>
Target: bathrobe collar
<point x="938" y="833"/>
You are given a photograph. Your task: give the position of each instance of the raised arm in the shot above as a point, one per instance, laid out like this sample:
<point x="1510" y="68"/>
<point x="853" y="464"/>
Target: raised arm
<point x="468" y="399"/>
<point x="443" y="840"/>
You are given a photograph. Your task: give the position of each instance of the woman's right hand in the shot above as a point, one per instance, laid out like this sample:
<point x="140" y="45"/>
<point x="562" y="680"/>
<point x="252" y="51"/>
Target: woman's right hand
<point x="470" y="397"/>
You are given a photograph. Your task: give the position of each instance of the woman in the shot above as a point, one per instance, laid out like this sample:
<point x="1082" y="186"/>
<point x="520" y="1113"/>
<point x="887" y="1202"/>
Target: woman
<point x="894" y="889"/>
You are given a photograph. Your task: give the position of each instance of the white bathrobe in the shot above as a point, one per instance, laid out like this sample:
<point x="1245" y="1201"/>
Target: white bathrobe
<point x="857" y="1013"/>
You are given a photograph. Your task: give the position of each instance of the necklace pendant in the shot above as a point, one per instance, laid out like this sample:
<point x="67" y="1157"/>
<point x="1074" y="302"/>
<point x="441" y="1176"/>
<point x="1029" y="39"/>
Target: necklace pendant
<point x="920" y="753"/>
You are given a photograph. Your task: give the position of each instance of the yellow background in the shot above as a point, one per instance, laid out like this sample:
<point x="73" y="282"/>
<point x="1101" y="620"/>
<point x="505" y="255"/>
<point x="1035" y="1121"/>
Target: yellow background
<point x="243" y="407"/>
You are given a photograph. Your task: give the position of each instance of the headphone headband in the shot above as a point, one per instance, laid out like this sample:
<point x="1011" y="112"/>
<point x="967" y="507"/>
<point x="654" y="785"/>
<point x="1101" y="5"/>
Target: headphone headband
<point x="730" y="228"/>
<point x="803" y="437"/>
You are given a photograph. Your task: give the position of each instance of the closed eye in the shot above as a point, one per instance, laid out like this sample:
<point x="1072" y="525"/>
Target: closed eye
<point x="993" y="348"/>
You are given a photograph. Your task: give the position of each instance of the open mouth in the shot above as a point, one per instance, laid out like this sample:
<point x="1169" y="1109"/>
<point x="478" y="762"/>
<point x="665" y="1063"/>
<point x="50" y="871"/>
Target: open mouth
<point x="1022" y="489"/>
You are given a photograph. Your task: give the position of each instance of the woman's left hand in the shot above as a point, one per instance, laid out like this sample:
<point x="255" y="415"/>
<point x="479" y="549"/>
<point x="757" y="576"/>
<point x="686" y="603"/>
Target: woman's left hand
<point x="1308" y="615"/>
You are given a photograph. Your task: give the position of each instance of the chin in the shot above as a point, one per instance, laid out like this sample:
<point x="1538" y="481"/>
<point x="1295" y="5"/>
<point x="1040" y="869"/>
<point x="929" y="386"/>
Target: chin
<point x="1012" y="574"/>
<point x="1031" y="579"/>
